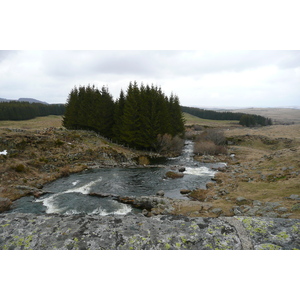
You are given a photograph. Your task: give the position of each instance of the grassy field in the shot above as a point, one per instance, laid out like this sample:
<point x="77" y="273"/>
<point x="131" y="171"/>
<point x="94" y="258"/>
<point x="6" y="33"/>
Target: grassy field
<point x="34" y="124"/>
<point x="285" y="115"/>
<point x="193" y="120"/>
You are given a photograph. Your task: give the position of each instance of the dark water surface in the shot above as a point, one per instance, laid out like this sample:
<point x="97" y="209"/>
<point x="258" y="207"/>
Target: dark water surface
<point x="70" y="195"/>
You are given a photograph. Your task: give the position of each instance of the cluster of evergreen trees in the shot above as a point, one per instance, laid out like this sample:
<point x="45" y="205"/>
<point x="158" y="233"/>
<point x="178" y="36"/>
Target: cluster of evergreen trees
<point x="17" y="110"/>
<point x="254" y="120"/>
<point x="136" y="118"/>
<point x="245" y="119"/>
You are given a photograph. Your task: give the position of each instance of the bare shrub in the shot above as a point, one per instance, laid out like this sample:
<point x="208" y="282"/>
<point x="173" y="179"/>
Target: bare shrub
<point x="214" y="135"/>
<point x="198" y="127"/>
<point x="198" y="194"/>
<point x="19" y="168"/>
<point x="143" y="160"/>
<point x="168" y="144"/>
<point x="210" y="142"/>
<point x="208" y="148"/>
<point x="65" y="171"/>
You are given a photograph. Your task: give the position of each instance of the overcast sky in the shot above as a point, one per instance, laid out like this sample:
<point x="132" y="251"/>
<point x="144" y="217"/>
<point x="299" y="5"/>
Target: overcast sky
<point x="200" y="78"/>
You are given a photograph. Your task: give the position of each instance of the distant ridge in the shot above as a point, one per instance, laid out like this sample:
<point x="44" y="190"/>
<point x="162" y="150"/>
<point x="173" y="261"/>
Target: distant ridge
<point x="30" y="100"/>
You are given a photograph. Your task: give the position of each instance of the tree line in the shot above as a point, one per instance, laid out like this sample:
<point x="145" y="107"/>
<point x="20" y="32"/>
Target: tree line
<point x="17" y="110"/>
<point x="139" y="118"/>
<point x="248" y="120"/>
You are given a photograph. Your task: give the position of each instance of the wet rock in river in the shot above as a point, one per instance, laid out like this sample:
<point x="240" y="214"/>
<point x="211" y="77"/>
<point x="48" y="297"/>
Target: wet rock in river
<point x="160" y="193"/>
<point x="174" y="175"/>
<point x="184" y="191"/>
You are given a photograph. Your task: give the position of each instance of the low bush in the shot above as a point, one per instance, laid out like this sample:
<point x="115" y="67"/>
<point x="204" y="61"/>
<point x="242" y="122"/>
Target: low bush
<point x="168" y="144"/>
<point x="213" y="135"/>
<point x="19" y="168"/>
<point x="198" y="194"/>
<point x="210" y="142"/>
<point x="143" y="160"/>
<point x="208" y="148"/>
<point x="58" y="143"/>
<point x="65" y="171"/>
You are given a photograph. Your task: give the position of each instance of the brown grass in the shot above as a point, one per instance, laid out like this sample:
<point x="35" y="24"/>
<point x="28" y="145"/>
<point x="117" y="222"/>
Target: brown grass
<point x="34" y="124"/>
<point x="278" y="114"/>
<point x="193" y="120"/>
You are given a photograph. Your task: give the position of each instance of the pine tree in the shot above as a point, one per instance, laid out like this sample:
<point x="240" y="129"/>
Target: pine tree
<point x="118" y="117"/>
<point x="131" y="119"/>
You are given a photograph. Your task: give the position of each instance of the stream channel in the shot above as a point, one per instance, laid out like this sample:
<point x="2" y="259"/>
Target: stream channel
<point x="70" y="195"/>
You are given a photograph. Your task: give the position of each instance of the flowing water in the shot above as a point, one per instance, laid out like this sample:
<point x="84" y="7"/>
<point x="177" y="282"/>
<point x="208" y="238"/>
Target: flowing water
<point x="71" y="195"/>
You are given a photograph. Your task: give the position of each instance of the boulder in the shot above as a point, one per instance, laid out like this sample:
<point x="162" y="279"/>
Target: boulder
<point x="294" y="197"/>
<point x="5" y="204"/>
<point x="160" y="193"/>
<point x="184" y="191"/>
<point x="217" y="211"/>
<point x="174" y="175"/>
<point x="181" y="169"/>
<point x="242" y="201"/>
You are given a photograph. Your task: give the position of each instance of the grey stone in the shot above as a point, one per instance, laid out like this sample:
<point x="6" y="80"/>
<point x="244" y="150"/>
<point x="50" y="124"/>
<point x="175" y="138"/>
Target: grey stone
<point x="296" y="207"/>
<point x="282" y="209"/>
<point x="217" y="211"/>
<point x="242" y="201"/>
<point x="286" y="215"/>
<point x="253" y="211"/>
<point x="4" y="204"/>
<point x="160" y="193"/>
<point x="237" y="211"/>
<point x="41" y="232"/>
<point x="272" y="205"/>
<point x="294" y="197"/>
<point x="271" y="214"/>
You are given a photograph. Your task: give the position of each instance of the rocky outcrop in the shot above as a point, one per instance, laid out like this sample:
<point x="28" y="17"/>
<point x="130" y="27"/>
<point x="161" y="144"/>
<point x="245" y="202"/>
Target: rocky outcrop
<point x="30" y="231"/>
<point x="151" y="205"/>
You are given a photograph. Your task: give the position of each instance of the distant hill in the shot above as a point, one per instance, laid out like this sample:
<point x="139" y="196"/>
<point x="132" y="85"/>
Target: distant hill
<point x="278" y="115"/>
<point x="30" y="100"/>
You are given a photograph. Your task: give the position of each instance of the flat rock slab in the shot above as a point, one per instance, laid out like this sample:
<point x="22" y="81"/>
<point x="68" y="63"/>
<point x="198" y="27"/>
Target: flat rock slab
<point x="165" y="232"/>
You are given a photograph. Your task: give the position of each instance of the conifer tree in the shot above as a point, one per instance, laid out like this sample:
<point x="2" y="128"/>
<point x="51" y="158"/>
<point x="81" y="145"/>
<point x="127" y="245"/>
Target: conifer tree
<point x="137" y="118"/>
<point x="131" y="119"/>
<point x="118" y="117"/>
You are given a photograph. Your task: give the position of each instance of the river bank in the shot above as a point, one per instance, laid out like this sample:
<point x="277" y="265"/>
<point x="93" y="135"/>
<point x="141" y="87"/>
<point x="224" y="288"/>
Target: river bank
<point x="36" y="157"/>
<point x="261" y="177"/>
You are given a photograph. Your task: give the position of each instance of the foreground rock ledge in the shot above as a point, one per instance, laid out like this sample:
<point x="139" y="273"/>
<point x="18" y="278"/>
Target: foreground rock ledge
<point x="31" y="231"/>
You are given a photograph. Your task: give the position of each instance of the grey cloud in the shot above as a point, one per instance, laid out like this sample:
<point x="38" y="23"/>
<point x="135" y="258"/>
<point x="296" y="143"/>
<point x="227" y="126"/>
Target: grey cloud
<point x="289" y="59"/>
<point x="50" y="75"/>
<point x="4" y="54"/>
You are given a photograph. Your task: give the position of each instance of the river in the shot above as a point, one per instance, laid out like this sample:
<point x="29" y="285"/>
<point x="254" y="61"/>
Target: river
<point x="71" y="195"/>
